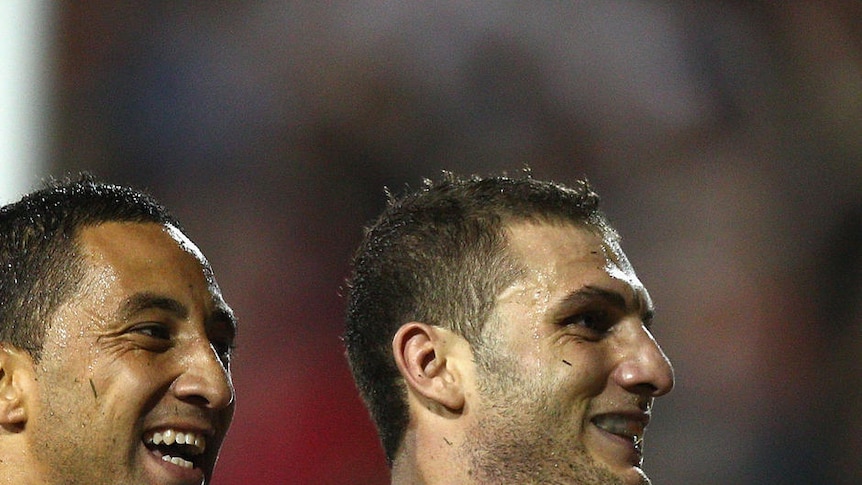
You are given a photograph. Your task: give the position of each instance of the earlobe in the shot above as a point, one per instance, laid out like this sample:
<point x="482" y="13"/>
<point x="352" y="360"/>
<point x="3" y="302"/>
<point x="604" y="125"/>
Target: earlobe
<point x="421" y="353"/>
<point x="14" y="365"/>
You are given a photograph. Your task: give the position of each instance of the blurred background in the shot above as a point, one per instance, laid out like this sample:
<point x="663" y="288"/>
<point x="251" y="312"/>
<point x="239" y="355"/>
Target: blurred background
<point x="724" y="136"/>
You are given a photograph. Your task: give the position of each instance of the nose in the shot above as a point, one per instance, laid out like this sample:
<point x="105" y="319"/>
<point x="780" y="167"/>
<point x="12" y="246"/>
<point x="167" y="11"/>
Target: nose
<point x="204" y="380"/>
<point x="643" y="367"/>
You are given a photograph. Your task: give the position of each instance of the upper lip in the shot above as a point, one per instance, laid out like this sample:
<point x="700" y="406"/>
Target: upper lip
<point x="629" y="423"/>
<point x="199" y="427"/>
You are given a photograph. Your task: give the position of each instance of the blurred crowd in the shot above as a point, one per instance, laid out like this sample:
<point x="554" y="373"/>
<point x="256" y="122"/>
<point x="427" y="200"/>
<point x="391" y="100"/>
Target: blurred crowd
<point x="724" y="136"/>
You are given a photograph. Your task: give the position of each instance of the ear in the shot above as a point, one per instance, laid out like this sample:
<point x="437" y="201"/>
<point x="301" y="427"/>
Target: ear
<point x="16" y="366"/>
<point x="422" y="353"/>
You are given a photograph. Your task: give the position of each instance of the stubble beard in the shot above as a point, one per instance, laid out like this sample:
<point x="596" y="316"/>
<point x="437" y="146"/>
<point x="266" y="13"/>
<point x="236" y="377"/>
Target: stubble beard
<point x="62" y="440"/>
<point x="524" y="437"/>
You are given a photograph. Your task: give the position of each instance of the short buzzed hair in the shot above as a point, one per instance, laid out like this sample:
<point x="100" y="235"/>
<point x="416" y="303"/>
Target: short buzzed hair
<point x="40" y="261"/>
<point x="438" y="255"/>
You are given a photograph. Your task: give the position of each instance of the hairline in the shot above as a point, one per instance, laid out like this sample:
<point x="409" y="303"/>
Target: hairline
<point x="57" y="214"/>
<point x="507" y="226"/>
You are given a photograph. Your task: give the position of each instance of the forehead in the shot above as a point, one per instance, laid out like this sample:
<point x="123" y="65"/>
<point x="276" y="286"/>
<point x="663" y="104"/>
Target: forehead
<point x="134" y="242"/>
<point x="126" y="258"/>
<point x="562" y="258"/>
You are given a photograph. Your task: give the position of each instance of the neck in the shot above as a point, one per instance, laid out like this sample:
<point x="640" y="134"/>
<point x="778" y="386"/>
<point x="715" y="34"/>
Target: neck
<point x="429" y="455"/>
<point x="13" y="471"/>
<point x="18" y="464"/>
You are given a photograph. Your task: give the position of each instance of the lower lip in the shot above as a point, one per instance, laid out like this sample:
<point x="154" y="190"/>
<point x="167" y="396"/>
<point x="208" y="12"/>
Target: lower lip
<point x="623" y="447"/>
<point x="170" y="474"/>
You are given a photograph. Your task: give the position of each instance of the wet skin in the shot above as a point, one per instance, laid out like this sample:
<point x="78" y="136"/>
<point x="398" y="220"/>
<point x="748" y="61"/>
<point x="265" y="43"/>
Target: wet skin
<point x="569" y="393"/>
<point x="143" y="347"/>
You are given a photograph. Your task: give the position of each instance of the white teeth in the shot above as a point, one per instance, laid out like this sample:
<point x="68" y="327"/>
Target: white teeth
<point x="170" y="437"/>
<point x="178" y="461"/>
<point x="620" y="425"/>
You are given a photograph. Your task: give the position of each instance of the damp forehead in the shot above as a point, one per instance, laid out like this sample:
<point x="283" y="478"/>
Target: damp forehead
<point x="620" y="268"/>
<point x="191" y="248"/>
<point x="185" y="243"/>
<point x="560" y="258"/>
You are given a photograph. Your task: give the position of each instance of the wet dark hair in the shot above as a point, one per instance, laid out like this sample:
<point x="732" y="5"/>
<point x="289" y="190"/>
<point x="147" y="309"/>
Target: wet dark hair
<point x="40" y="261"/>
<point x="438" y="255"/>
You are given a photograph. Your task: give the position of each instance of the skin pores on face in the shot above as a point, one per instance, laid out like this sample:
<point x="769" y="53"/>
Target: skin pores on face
<point x="143" y="348"/>
<point x="566" y="379"/>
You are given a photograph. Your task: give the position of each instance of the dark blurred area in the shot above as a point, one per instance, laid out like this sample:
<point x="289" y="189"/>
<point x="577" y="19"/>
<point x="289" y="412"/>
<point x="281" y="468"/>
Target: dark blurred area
<point x="724" y="136"/>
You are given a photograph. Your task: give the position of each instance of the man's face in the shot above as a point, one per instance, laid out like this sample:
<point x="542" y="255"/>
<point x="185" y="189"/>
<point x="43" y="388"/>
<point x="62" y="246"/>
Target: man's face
<point x="569" y="369"/>
<point x="137" y="358"/>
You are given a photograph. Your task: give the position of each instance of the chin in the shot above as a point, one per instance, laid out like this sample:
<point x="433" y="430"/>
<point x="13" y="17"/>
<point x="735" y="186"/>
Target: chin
<point x="634" y="476"/>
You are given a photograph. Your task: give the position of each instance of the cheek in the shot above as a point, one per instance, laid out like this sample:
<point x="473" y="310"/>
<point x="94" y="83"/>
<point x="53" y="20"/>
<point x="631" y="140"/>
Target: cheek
<point x="581" y="371"/>
<point x="127" y="383"/>
<point x="65" y="379"/>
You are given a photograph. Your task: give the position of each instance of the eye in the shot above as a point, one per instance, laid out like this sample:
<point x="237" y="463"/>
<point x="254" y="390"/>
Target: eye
<point x="153" y="330"/>
<point x="596" y="322"/>
<point x="224" y="349"/>
<point x="223" y="341"/>
<point x="647" y="320"/>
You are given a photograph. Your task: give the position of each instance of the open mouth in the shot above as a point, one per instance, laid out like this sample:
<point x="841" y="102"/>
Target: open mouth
<point x="626" y="427"/>
<point x="181" y="448"/>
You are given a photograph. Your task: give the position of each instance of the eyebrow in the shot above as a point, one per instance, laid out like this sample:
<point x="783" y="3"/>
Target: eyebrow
<point x="589" y="294"/>
<point x="224" y="315"/>
<point x="147" y="301"/>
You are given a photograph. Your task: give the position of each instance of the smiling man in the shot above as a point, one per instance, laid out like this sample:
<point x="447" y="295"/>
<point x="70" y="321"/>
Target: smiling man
<point x="114" y="343"/>
<point x="499" y="335"/>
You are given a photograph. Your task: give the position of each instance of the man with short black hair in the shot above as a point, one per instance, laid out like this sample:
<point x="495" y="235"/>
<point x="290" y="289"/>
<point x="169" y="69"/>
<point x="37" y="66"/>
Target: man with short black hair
<point x="115" y="342"/>
<point x="498" y="334"/>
